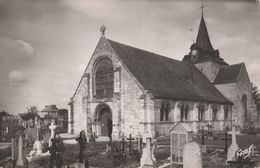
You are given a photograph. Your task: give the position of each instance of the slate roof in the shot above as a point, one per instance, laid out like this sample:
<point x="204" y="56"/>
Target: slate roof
<point x="228" y="74"/>
<point x="167" y="78"/>
<point x="203" y="37"/>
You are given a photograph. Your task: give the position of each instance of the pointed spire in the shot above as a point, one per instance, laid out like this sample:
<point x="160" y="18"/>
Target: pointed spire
<point x="203" y="37"/>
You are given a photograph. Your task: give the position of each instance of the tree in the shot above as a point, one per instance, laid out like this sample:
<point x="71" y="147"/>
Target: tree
<point x="31" y="113"/>
<point x="255" y="93"/>
<point x="32" y="109"/>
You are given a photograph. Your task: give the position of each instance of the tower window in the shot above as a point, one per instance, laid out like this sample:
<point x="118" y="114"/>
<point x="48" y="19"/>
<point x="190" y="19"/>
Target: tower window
<point x="104" y="79"/>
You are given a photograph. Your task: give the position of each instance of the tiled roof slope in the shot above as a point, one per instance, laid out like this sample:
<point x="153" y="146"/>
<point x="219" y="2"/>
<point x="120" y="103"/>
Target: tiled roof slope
<point x="167" y="78"/>
<point x="228" y="74"/>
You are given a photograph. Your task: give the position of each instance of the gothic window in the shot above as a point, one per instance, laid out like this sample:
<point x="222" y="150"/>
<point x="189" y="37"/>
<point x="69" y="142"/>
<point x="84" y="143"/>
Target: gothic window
<point x="104" y="79"/>
<point x="244" y="103"/>
<point x="164" y="112"/>
<point x="184" y="112"/>
<point x="214" y="113"/>
<point x="201" y="111"/>
<point x="225" y="112"/>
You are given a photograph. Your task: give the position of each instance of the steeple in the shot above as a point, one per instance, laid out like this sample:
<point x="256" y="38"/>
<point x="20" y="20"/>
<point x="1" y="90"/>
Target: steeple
<point x="203" y="37"/>
<point x="202" y="51"/>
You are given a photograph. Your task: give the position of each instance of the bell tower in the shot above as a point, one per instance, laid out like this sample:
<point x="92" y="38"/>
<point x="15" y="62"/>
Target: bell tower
<point x="202" y="54"/>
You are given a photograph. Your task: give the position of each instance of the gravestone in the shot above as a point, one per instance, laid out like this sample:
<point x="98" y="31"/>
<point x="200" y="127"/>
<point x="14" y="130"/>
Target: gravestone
<point x="139" y="141"/>
<point x="52" y="127"/>
<point x="180" y="134"/>
<point x="14" y="150"/>
<point x="20" y="152"/>
<point x="203" y="146"/>
<point x="192" y="155"/>
<point x="37" y="147"/>
<point x="233" y="147"/>
<point x="148" y="159"/>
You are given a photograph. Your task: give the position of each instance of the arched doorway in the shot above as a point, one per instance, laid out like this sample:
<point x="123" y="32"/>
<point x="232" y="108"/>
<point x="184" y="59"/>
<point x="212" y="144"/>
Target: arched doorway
<point x="104" y="123"/>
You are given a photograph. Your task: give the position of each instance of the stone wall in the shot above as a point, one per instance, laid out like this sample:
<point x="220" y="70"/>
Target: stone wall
<point x="209" y="69"/>
<point x="235" y="92"/>
<point x="162" y="127"/>
<point x="126" y="106"/>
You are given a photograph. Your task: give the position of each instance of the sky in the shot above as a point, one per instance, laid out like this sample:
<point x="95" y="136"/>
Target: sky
<point x="45" y="45"/>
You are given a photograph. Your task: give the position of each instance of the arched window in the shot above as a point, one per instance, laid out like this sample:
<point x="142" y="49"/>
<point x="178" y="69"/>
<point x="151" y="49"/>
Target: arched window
<point x="164" y="112"/>
<point x="104" y="79"/>
<point x="244" y="102"/>
<point x="214" y="113"/>
<point x="185" y="112"/>
<point x="201" y="111"/>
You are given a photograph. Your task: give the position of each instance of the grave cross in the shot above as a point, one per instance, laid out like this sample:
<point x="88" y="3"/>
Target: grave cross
<point x="234" y="133"/>
<point x="231" y="154"/>
<point x="52" y="127"/>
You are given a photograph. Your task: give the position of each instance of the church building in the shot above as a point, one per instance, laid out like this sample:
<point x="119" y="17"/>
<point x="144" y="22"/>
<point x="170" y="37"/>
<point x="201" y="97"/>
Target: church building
<point x="141" y="91"/>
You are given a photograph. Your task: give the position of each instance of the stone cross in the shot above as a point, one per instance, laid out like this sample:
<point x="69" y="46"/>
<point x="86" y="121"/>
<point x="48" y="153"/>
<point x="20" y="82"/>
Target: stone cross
<point x="52" y="127"/>
<point x="38" y="126"/>
<point x="233" y="147"/>
<point x="20" y="151"/>
<point x="103" y="30"/>
<point x="147" y="159"/>
<point x="192" y="155"/>
<point x="234" y="133"/>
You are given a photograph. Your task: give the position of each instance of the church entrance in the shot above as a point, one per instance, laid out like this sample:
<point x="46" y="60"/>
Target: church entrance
<point x="104" y="120"/>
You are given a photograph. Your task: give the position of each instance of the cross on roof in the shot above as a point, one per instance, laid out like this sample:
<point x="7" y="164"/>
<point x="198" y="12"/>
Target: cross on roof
<point x="201" y="7"/>
<point x="103" y="30"/>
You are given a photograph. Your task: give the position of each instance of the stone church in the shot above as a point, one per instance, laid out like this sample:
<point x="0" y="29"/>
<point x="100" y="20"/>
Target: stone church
<point x="142" y="91"/>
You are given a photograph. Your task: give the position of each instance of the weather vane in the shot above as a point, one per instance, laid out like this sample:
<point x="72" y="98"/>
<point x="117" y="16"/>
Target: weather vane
<point x="202" y="6"/>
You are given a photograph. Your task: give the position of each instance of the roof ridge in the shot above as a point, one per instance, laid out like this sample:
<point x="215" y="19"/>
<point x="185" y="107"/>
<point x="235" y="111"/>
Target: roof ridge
<point x="143" y="50"/>
<point x="224" y="66"/>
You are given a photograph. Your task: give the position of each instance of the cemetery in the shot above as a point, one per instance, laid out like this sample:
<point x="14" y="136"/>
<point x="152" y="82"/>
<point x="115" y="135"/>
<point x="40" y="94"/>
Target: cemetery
<point x="181" y="149"/>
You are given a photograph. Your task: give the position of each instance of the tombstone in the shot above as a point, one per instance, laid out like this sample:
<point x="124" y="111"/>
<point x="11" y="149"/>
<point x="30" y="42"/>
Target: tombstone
<point x="56" y="151"/>
<point x="148" y="159"/>
<point x="139" y="141"/>
<point x="37" y="146"/>
<point x="233" y="147"/>
<point x="52" y="127"/>
<point x="203" y="146"/>
<point x="192" y="155"/>
<point x="180" y="134"/>
<point x="20" y="152"/>
<point x="14" y="150"/>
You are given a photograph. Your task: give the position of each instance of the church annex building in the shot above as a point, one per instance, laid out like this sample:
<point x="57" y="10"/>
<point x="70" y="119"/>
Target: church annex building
<point x="142" y="91"/>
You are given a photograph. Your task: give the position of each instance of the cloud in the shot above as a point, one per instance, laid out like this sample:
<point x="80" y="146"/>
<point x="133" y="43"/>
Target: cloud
<point x="26" y="47"/>
<point x="17" y="77"/>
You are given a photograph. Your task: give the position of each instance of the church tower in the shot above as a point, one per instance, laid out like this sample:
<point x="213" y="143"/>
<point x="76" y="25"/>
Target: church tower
<point x="202" y="54"/>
